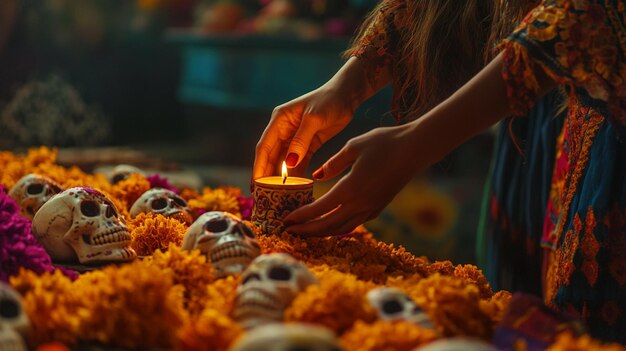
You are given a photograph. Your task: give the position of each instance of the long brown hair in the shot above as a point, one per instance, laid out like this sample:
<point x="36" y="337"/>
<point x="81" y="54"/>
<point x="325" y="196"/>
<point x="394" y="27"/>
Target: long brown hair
<point x="441" y="46"/>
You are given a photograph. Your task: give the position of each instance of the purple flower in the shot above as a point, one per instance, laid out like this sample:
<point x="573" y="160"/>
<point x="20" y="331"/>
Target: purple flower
<point x="156" y="181"/>
<point x="245" y="207"/>
<point x="18" y="247"/>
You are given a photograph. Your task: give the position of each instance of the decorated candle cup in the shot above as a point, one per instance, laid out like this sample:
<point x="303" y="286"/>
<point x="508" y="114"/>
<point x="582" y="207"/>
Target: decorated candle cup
<point x="276" y="197"/>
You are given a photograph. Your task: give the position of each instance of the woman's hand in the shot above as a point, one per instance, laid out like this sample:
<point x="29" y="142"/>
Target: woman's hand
<point x="383" y="161"/>
<point x="299" y="128"/>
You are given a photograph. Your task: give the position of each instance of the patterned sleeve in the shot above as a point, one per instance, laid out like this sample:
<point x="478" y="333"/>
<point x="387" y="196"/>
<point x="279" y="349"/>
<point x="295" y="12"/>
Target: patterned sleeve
<point x="378" y="39"/>
<point x="579" y="43"/>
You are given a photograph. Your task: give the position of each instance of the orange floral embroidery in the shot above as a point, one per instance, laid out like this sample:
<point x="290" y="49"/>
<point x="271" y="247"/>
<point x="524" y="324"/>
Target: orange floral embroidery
<point x="562" y="262"/>
<point x="589" y="249"/>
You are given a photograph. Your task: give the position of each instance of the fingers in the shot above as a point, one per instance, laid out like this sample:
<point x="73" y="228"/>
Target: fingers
<point x="336" y="164"/>
<point x="301" y="141"/>
<point x="264" y="148"/>
<point x="338" y="222"/>
<point x="321" y="206"/>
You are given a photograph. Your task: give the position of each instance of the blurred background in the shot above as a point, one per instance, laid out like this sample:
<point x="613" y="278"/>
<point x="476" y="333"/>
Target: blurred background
<point x="186" y="87"/>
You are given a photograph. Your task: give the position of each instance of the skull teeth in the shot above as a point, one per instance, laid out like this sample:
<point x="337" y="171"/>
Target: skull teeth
<point x="111" y="237"/>
<point x="257" y="299"/>
<point x="232" y="250"/>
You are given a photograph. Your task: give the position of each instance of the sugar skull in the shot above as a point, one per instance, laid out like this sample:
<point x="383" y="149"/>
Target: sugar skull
<point x="288" y="337"/>
<point x="81" y="223"/>
<point x="13" y="320"/>
<point x="228" y="243"/>
<point x="459" y="343"/>
<point x="164" y="202"/>
<point x="32" y="191"/>
<point x="121" y="172"/>
<point x="394" y="304"/>
<point x="268" y="286"/>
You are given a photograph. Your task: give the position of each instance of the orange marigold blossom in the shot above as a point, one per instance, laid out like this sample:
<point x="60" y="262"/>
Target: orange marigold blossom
<point x="386" y="335"/>
<point x="359" y="254"/>
<point x="496" y="306"/>
<point x="218" y="199"/>
<point x="212" y="330"/>
<point x="472" y="274"/>
<point x="453" y="305"/>
<point x="220" y="295"/>
<point x="568" y="342"/>
<point x="154" y="232"/>
<point x="54" y="309"/>
<point x="130" y="189"/>
<point x="188" y="269"/>
<point x="336" y="303"/>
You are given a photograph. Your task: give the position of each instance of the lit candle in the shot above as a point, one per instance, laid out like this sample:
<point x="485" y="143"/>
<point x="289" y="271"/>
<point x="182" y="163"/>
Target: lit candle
<point x="277" y="196"/>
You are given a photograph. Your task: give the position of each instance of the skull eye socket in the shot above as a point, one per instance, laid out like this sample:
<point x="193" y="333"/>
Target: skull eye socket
<point x="90" y="208"/>
<point x="248" y="232"/>
<point x="9" y="308"/>
<point x="34" y="189"/>
<point x="392" y="307"/>
<point x="159" y="204"/>
<point x="216" y="226"/>
<point x="55" y="189"/>
<point x="280" y="273"/>
<point x="118" y="178"/>
<point x="180" y="202"/>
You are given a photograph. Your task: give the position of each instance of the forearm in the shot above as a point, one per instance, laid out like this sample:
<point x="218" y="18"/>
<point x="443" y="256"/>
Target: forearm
<point x="480" y="103"/>
<point x="353" y="82"/>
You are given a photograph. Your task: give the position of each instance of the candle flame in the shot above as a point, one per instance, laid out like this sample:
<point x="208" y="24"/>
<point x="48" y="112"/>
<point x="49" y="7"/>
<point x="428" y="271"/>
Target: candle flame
<point x="285" y="175"/>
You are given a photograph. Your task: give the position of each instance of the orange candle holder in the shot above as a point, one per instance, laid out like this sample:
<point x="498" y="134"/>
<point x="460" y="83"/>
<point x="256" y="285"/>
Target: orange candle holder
<point x="274" y="200"/>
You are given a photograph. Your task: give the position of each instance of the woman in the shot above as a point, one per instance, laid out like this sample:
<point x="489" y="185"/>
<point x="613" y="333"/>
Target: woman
<point x="576" y="45"/>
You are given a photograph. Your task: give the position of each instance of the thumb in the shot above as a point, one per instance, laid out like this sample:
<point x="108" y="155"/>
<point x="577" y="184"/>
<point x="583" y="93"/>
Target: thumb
<point x="301" y="141"/>
<point x="336" y="164"/>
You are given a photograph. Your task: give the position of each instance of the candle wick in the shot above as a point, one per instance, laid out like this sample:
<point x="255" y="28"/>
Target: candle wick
<point x="284" y="180"/>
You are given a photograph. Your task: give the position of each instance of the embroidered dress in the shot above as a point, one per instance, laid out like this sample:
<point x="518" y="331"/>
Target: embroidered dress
<point x="581" y="45"/>
<point x="515" y="197"/>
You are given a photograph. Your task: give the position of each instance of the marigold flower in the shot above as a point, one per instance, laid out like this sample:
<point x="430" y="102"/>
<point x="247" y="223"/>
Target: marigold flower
<point x="358" y="254"/>
<point x="135" y="306"/>
<point x="453" y="305"/>
<point x="127" y="191"/>
<point x="190" y="270"/>
<point x="496" y="306"/>
<point x="568" y="342"/>
<point x="210" y="331"/>
<point x="474" y="275"/>
<point x="220" y="295"/>
<point x="53" y="307"/>
<point x="151" y="232"/>
<point x="218" y="199"/>
<point x="336" y="303"/>
<point x="386" y="335"/>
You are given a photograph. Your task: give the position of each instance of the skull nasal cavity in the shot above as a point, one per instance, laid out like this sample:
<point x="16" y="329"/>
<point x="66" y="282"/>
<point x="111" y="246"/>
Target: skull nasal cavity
<point x="280" y="273"/>
<point x="34" y="189"/>
<point x="216" y="226"/>
<point x="391" y="307"/>
<point x="9" y="308"/>
<point x="90" y="208"/>
<point x="159" y="204"/>
<point x="251" y="277"/>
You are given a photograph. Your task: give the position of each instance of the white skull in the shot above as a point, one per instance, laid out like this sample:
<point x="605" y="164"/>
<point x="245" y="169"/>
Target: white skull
<point x="394" y="304"/>
<point x="268" y="286"/>
<point x="32" y="191"/>
<point x="288" y="337"/>
<point x="164" y="202"/>
<point x="228" y="243"/>
<point x="121" y="172"/>
<point x="82" y="223"/>
<point x="457" y="344"/>
<point x="13" y="320"/>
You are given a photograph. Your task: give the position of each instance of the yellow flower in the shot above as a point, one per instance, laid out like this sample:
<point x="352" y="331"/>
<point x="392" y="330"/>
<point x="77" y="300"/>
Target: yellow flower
<point x="210" y="331"/>
<point x="336" y="303"/>
<point x="152" y="232"/>
<point x="568" y="342"/>
<point x="190" y="270"/>
<point x="130" y="189"/>
<point x="386" y="335"/>
<point x="219" y="199"/>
